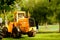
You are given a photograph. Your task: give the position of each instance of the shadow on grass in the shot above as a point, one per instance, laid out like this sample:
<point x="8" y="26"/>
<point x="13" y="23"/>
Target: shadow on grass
<point x="47" y="32"/>
<point x="19" y="38"/>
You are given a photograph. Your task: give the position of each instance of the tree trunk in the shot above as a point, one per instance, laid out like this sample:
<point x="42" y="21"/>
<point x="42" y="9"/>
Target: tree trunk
<point x="4" y="16"/>
<point x="59" y="27"/>
<point x="46" y="26"/>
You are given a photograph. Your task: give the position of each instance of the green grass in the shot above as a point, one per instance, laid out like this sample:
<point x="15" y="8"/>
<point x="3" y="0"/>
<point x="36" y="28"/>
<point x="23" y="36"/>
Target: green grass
<point x="39" y="36"/>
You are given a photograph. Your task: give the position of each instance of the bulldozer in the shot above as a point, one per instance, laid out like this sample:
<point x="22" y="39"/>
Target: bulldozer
<point x="22" y="24"/>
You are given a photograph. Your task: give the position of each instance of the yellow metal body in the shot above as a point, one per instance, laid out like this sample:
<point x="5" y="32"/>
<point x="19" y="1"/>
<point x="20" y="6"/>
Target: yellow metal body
<point x="20" y="21"/>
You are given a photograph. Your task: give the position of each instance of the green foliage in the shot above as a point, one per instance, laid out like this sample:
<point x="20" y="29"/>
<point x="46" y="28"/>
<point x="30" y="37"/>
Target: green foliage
<point x="4" y="4"/>
<point x="5" y="7"/>
<point x="38" y="9"/>
<point x="42" y="10"/>
<point x="10" y="16"/>
<point x="2" y="16"/>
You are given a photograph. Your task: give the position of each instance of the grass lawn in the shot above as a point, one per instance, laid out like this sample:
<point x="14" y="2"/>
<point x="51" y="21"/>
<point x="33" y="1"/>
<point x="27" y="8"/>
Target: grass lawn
<point x="39" y="36"/>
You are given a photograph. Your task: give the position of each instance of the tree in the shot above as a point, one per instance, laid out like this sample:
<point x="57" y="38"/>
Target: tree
<point x="5" y="6"/>
<point x="56" y="9"/>
<point x="58" y="12"/>
<point x="40" y="9"/>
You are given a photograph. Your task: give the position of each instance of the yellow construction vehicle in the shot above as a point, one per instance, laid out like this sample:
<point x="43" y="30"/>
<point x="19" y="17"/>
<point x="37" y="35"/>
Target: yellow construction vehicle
<point x="21" y="25"/>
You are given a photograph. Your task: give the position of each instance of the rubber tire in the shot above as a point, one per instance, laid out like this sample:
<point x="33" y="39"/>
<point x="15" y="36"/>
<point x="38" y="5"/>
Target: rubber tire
<point x="5" y="32"/>
<point x="16" y="34"/>
<point x="31" y="34"/>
